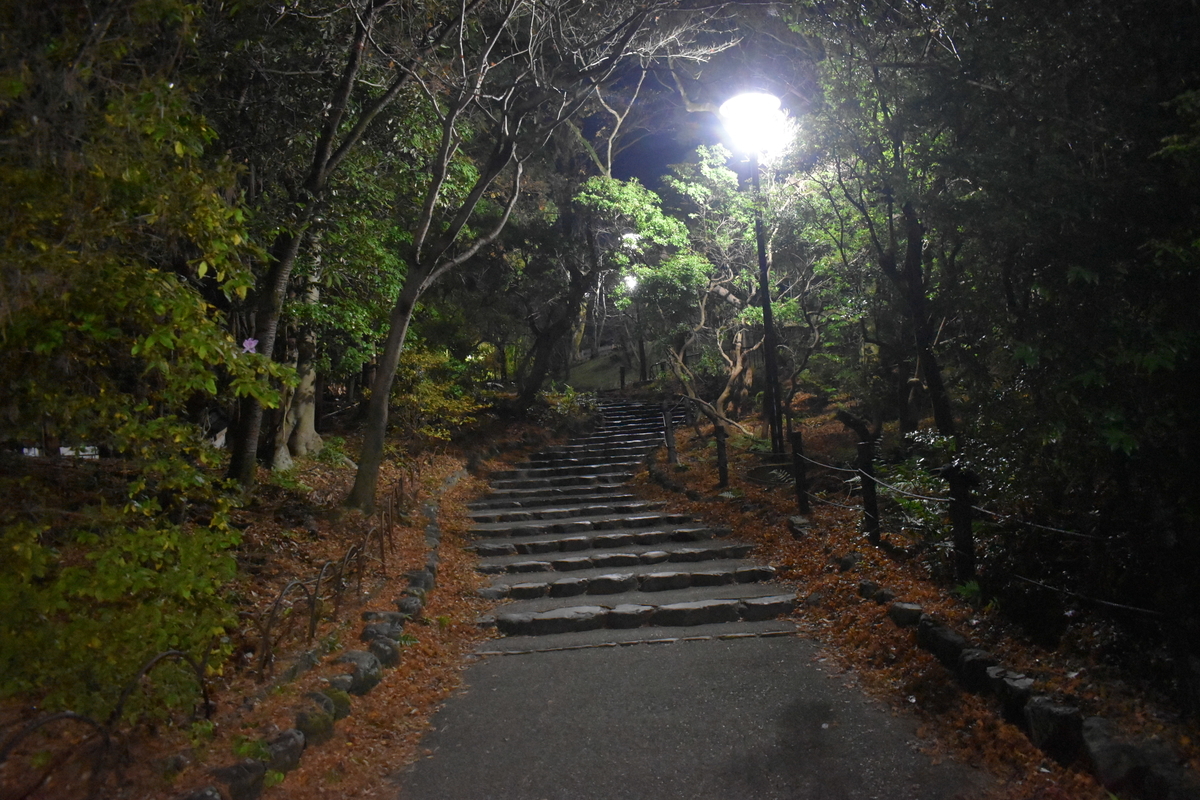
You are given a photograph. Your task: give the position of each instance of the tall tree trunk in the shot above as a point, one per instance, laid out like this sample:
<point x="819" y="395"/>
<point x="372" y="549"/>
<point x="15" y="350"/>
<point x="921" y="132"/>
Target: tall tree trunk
<point x="248" y="427"/>
<point x="297" y="435"/>
<point x="362" y="496"/>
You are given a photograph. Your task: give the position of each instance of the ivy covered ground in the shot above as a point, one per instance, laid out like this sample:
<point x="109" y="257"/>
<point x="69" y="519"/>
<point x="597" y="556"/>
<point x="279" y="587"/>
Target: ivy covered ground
<point x="295" y="526"/>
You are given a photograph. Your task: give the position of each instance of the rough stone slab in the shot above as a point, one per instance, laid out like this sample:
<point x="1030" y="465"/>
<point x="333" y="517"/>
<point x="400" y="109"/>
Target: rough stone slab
<point x="664" y="581"/>
<point x="973" y="665"/>
<point x="654" y="557"/>
<point x="574" y="543"/>
<point x="611" y="635"/>
<point x="605" y="560"/>
<point x="492" y="549"/>
<point x="285" y="751"/>
<point x="568" y="587"/>
<point x="700" y="612"/>
<point x="1055" y="729"/>
<point x="905" y="614"/>
<point x="529" y="566"/>
<point x="524" y="591"/>
<point x="652" y="537"/>
<point x="630" y="615"/>
<point x="571" y="563"/>
<point x="243" y="779"/>
<point x="615" y="583"/>
<point x="613" y="540"/>
<point x="757" y="609"/>
<point x="754" y="574"/>
<point x="1013" y="689"/>
<point x="515" y="624"/>
<point x="538" y="548"/>
<point x="386" y="650"/>
<point x="387" y="630"/>
<point x="945" y="644"/>
<point x="565" y="620"/>
<point x="712" y="578"/>
<point x="367" y="670"/>
<point x="687" y="555"/>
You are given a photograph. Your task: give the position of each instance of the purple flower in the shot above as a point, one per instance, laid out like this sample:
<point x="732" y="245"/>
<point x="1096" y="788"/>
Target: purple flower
<point x="249" y="346"/>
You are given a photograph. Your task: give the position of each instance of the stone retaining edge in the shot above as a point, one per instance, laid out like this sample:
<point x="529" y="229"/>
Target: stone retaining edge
<point x="1143" y="769"/>
<point x="315" y="719"/>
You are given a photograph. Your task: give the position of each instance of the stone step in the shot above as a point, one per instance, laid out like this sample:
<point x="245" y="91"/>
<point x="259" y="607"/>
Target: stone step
<point x="736" y="591"/>
<point x="598" y="507"/>
<point x="593" y="468"/>
<point x="642" y="578"/>
<point x="730" y="606"/>
<point x="657" y="554"/>
<point x="649" y="634"/>
<point x="600" y="540"/>
<point x="578" y="524"/>
<point x="580" y="458"/>
<point x="563" y="481"/>
<point x="529" y="498"/>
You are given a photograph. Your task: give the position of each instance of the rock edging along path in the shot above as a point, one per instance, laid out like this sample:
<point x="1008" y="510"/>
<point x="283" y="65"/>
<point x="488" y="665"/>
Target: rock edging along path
<point x="319" y="712"/>
<point x="718" y="699"/>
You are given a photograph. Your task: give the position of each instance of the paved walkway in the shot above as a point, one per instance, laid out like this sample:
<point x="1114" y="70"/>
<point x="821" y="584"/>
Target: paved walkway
<point x="645" y="657"/>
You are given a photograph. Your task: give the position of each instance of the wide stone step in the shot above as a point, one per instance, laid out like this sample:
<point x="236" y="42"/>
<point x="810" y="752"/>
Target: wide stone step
<point x="751" y="607"/>
<point x="582" y="458"/>
<point x="594" y="468"/>
<point x="581" y="524"/>
<point x="642" y="578"/>
<point x="529" y="498"/>
<point x="657" y="554"/>
<point x="592" y="509"/>
<point x="552" y="543"/>
<point x="563" y="481"/>
<point x="649" y="634"/>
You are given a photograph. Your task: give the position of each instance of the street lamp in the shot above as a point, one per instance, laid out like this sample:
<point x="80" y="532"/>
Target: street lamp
<point x="758" y="127"/>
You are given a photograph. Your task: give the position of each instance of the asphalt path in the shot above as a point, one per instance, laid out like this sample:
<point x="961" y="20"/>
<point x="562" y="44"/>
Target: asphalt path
<point x="732" y="719"/>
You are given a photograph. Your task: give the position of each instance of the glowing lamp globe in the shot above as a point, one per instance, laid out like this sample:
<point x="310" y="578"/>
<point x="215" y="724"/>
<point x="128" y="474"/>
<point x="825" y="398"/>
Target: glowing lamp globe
<point x="756" y="122"/>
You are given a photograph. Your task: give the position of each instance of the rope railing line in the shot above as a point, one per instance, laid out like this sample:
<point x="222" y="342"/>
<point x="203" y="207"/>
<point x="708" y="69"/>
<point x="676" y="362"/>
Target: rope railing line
<point x="824" y="465"/>
<point x="1095" y="600"/>
<point x="828" y="502"/>
<point x="1019" y="521"/>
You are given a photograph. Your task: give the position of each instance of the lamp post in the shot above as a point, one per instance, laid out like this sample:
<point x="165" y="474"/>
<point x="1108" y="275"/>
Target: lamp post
<point x="757" y="126"/>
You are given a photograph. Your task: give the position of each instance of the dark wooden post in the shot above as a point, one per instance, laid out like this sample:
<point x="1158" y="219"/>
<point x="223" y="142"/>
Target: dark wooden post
<point x="622" y="379"/>
<point x="669" y="433"/>
<point x="722" y="457"/>
<point x="800" y="470"/>
<point x="961" y="483"/>
<point x="866" y="470"/>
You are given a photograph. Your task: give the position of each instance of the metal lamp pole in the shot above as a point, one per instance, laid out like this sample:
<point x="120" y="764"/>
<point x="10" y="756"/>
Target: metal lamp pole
<point x="774" y="412"/>
<point x="756" y="123"/>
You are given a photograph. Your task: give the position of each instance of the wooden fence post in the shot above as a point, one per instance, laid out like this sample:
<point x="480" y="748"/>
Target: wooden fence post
<point x="669" y="433"/>
<point x="800" y="471"/>
<point x="722" y="457"/>
<point x="866" y="470"/>
<point x="961" y="483"/>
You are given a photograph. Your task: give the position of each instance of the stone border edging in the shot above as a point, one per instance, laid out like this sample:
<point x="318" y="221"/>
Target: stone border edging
<point x="315" y="719"/>
<point x="1148" y="770"/>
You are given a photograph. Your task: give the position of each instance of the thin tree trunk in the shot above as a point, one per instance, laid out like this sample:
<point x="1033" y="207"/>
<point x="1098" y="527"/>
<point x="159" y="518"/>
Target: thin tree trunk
<point x="362" y="496"/>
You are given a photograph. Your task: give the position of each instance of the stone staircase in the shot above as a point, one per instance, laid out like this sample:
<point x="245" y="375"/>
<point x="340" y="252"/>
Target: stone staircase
<point x="581" y="561"/>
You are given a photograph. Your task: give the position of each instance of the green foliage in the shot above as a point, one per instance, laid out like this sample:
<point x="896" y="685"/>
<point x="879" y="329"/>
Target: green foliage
<point x="429" y="396"/>
<point x="250" y="747"/>
<point x="121" y="242"/>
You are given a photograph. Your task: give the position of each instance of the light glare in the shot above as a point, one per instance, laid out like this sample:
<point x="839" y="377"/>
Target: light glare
<point x="755" y="122"/>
